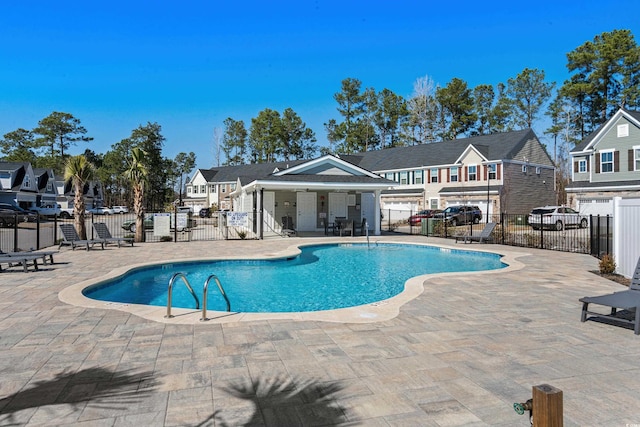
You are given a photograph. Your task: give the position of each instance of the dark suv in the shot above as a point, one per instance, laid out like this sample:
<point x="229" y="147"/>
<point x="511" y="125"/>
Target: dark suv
<point x="455" y="215"/>
<point x="23" y="214"/>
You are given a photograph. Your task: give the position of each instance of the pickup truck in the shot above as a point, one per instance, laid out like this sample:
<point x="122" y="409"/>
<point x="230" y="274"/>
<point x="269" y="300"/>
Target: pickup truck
<point x="48" y="210"/>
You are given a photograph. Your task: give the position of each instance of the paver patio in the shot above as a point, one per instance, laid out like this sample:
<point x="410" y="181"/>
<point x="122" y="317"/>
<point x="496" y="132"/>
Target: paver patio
<point x="459" y="354"/>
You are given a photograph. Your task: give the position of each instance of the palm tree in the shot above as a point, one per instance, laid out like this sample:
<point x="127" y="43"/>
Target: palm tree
<point x="79" y="171"/>
<point x="137" y="175"/>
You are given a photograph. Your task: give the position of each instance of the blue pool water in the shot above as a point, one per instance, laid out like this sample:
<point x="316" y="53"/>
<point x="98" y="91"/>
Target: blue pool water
<point x="322" y="277"/>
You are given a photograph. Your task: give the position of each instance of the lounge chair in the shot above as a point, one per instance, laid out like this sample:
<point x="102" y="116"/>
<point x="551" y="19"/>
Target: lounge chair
<point x="626" y="300"/>
<point x="24" y="260"/>
<point x="287" y="226"/>
<point x="70" y="237"/>
<point x="104" y="234"/>
<point x="485" y="234"/>
<point x="39" y="254"/>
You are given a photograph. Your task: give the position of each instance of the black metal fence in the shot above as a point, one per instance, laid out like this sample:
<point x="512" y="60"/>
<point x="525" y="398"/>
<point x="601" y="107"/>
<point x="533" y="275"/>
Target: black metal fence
<point x="591" y="237"/>
<point x="511" y="229"/>
<point x="18" y="235"/>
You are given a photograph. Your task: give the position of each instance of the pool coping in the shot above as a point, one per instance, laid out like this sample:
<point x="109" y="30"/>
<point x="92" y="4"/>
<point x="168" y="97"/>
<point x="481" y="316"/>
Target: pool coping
<point x="368" y="313"/>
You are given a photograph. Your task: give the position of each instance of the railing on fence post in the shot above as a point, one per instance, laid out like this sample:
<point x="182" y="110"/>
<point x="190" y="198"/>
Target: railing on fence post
<point x="15" y="232"/>
<point x="541" y="232"/>
<point x="37" y="231"/>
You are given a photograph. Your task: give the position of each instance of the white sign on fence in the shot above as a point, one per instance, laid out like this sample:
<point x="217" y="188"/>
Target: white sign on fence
<point x="161" y="223"/>
<point x="238" y="219"/>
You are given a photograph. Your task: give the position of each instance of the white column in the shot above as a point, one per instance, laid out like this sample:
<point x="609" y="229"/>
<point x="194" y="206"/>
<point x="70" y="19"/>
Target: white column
<point x="376" y="228"/>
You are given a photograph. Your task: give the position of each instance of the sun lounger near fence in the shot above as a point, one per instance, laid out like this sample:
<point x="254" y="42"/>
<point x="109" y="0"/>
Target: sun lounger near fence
<point x="38" y="254"/>
<point x="70" y="237"/>
<point x="628" y="300"/>
<point x="12" y="261"/>
<point x="485" y="234"/>
<point x="104" y="234"/>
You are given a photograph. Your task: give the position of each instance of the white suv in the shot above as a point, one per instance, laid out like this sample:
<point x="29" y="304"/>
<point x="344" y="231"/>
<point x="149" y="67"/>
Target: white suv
<point x="120" y="209"/>
<point x="556" y="218"/>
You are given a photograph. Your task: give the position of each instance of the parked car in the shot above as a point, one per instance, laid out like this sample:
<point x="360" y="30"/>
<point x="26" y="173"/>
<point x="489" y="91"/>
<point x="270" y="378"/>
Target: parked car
<point x="120" y="209"/>
<point x="47" y="210"/>
<point x="8" y="218"/>
<point x="423" y="214"/>
<point x="462" y="214"/>
<point x="25" y="214"/>
<point x="556" y="218"/>
<point x="101" y="211"/>
<point x="205" y="213"/>
<point x="130" y="225"/>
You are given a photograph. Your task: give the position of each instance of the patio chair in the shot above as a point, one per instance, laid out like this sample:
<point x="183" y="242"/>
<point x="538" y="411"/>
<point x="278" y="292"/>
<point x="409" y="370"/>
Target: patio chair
<point x="24" y="260"/>
<point x="337" y="224"/>
<point x="287" y="226"/>
<point x="346" y="227"/>
<point x="104" y="234"/>
<point x="485" y="234"/>
<point x="70" y="237"/>
<point x="628" y="300"/>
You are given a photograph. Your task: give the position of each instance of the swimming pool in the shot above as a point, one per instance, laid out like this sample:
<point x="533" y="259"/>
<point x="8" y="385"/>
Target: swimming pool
<point x="322" y="277"/>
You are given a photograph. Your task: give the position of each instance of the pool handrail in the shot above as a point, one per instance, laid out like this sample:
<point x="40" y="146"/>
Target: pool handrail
<point x="204" y="296"/>
<point x="170" y="291"/>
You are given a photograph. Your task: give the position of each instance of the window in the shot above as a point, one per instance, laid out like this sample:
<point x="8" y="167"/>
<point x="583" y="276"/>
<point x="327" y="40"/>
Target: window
<point x="538" y="170"/>
<point x="606" y="161"/>
<point x="223" y="188"/>
<point x="26" y="182"/>
<point x="233" y="186"/>
<point x="582" y="165"/>
<point x="49" y="186"/>
<point x="473" y="176"/>
<point x="623" y="130"/>
<point x="195" y="189"/>
<point x="212" y="188"/>
<point x="189" y="190"/>
<point x="403" y="178"/>
<point x="389" y="176"/>
<point x="492" y="171"/>
<point x="636" y="158"/>
<point x="453" y="174"/>
<point x="524" y="168"/>
<point x="434" y="175"/>
<point x="433" y="203"/>
<point x="203" y="189"/>
<point x="418" y="177"/>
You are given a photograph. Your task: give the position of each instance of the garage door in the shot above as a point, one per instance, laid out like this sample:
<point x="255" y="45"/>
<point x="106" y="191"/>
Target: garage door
<point x="601" y="207"/>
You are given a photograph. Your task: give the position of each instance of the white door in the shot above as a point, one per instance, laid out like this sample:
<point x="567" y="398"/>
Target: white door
<point x="306" y="204"/>
<point x="368" y="208"/>
<point x="268" y="206"/>
<point x="337" y="206"/>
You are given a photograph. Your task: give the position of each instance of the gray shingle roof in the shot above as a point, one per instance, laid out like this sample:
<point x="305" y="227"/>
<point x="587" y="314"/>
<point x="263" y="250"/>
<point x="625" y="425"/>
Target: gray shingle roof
<point x="498" y="146"/>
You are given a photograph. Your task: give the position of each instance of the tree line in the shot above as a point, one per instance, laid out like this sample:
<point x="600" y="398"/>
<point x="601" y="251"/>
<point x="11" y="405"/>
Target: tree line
<point x="45" y="146"/>
<point x="604" y="75"/>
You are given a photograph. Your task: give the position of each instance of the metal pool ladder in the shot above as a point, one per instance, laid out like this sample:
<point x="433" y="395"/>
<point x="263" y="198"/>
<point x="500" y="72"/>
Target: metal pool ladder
<point x="170" y="292"/>
<point x="204" y="297"/>
<point x="204" y="302"/>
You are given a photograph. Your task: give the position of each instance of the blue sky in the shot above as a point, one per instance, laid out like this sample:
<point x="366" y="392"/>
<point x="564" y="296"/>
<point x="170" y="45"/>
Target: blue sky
<point x="188" y="65"/>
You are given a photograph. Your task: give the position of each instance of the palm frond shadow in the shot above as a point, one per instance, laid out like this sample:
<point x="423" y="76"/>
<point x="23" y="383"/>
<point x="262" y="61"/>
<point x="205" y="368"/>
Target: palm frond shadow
<point x="102" y="387"/>
<point x="290" y="402"/>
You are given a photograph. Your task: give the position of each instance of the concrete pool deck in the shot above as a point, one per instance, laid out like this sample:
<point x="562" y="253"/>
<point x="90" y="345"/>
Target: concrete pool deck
<point x="458" y="354"/>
